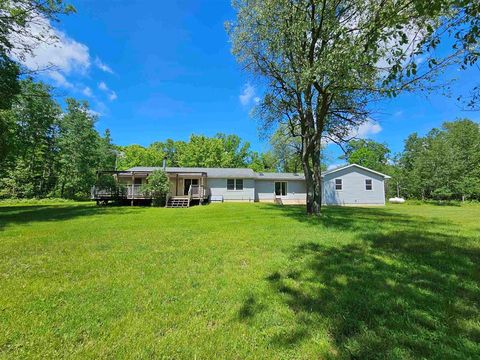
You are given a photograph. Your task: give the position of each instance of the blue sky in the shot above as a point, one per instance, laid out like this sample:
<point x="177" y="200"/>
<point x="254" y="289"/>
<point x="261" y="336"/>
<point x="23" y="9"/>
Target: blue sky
<point x="154" y="70"/>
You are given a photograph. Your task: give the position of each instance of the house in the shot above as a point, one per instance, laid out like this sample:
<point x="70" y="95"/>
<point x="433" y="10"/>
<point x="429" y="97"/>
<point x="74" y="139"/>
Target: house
<point x="348" y="185"/>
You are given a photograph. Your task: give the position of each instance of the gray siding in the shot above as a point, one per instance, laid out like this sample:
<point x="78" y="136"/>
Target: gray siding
<point x="219" y="187"/>
<point x="353" y="191"/>
<point x="265" y="190"/>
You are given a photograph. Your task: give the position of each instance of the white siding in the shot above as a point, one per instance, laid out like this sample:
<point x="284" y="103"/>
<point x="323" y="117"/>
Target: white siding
<point x="218" y="187"/>
<point x="353" y="188"/>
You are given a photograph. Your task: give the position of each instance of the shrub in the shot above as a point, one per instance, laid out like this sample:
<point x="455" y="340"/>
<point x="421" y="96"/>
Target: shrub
<point x="157" y="187"/>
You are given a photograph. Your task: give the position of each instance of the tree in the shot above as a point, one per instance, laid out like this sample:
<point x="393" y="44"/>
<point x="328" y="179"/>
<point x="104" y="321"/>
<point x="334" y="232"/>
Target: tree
<point x="158" y="186"/>
<point x="21" y="20"/>
<point x="263" y="162"/>
<point x="79" y="144"/>
<point x="324" y="61"/>
<point x="137" y="155"/>
<point x="367" y="153"/>
<point x="445" y="164"/>
<point x="107" y="152"/>
<point x="287" y="150"/>
<point x="9" y="85"/>
<point x="33" y="148"/>
<point x="218" y="151"/>
<point x="24" y="25"/>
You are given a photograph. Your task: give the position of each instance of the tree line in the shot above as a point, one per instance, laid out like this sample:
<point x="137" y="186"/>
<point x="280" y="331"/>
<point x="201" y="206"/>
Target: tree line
<point x="48" y="151"/>
<point x="442" y="165"/>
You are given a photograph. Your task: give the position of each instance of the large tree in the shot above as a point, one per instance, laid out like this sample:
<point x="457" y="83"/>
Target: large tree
<point x="79" y="151"/>
<point x="325" y="61"/>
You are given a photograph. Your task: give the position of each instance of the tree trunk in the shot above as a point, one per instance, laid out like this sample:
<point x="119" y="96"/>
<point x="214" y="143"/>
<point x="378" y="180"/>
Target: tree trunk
<point x="317" y="180"/>
<point x="313" y="179"/>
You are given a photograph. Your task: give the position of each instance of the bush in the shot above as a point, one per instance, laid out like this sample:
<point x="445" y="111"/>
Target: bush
<point x="158" y="187"/>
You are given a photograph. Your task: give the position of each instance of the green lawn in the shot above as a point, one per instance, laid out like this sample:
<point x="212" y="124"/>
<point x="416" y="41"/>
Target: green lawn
<point x="239" y="281"/>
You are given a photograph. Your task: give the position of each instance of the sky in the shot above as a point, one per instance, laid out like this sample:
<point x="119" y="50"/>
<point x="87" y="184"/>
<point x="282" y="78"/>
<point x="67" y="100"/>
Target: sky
<point x="153" y="70"/>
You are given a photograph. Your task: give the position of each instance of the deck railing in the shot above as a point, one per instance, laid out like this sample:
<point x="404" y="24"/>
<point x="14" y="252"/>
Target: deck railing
<point x="135" y="191"/>
<point x="199" y="192"/>
<point x="195" y="192"/>
<point x="108" y="193"/>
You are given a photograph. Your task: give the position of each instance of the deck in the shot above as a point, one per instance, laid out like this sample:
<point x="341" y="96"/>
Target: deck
<point x="135" y="192"/>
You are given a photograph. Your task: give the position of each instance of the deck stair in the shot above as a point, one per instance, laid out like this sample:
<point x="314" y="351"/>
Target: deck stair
<point x="178" y="202"/>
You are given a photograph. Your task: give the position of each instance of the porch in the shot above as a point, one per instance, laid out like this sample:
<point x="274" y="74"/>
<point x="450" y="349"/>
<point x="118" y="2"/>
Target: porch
<point x="185" y="187"/>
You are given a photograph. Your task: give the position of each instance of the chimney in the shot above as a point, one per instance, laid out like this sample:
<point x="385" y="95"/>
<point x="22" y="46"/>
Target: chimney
<point x="164" y="163"/>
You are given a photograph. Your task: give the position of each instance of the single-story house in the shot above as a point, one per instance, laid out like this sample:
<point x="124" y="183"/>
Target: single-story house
<point x="348" y="185"/>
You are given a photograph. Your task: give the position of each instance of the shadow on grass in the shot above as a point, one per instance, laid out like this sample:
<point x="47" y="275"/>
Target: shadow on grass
<point x="10" y="215"/>
<point x="406" y="287"/>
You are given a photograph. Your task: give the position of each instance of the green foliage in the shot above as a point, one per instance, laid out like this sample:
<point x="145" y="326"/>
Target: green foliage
<point x="80" y="281"/>
<point x="445" y="164"/>
<point x="265" y="161"/>
<point x="33" y="148"/>
<point x="158" y="186"/>
<point x="78" y="144"/>
<point x="9" y="85"/>
<point x="287" y="150"/>
<point x="368" y="153"/>
<point x="200" y="151"/>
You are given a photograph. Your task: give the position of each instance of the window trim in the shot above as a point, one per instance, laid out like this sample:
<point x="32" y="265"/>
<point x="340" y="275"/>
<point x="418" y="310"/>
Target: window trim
<point x="341" y="184"/>
<point x="235" y="184"/>
<point x="366" y="185"/>
<point x="286" y="188"/>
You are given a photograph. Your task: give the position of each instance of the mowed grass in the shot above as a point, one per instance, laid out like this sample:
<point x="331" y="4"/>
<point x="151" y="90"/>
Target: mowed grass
<point x="239" y="281"/>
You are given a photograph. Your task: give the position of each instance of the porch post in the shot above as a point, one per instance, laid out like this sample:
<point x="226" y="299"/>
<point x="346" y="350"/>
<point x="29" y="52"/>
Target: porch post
<point x="201" y="190"/>
<point x="176" y="185"/>
<point x="132" y="187"/>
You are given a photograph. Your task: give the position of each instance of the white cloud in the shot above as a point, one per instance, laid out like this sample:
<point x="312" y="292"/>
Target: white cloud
<point x="59" y="79"/>
<point x="112" y="95"/>
<point x="87" y="92"/>
<point x="102" y="66"/>
<point x="57" y="50"/>
<point x="247" y="95"/>
<point x="365" y="130"/>
<point x="102" y="86"/>
<point x="368" y="128"/>
<point x="93" y="113"/>
<point x="334" y="166"/>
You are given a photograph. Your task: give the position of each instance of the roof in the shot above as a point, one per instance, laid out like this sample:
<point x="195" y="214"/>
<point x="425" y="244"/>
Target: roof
<point x="211" y="172"/>
<point x="279" y="176"/>
<point x="355" y="165"/>
<point x="244" y="172"/>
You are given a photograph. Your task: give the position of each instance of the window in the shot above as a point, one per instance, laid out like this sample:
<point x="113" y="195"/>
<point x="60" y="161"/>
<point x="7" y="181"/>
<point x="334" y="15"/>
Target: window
<point x="368" y="184"/>
<point x="239" y="184"/>
<point x="138" y="181"/>
<point x="280" y="188"/>
<point x="338" y="184"/>
<point x="234" y="184"/>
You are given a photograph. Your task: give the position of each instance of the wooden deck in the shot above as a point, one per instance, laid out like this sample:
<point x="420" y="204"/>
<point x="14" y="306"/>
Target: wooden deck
<point x="198" y="193"/>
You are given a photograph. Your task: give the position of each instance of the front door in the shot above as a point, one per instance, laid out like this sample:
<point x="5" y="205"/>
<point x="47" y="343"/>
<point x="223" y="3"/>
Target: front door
<point x="187" y="183"/>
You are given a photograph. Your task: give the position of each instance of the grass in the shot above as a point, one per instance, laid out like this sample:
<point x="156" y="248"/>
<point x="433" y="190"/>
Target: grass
<point x="239" y="281"/>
